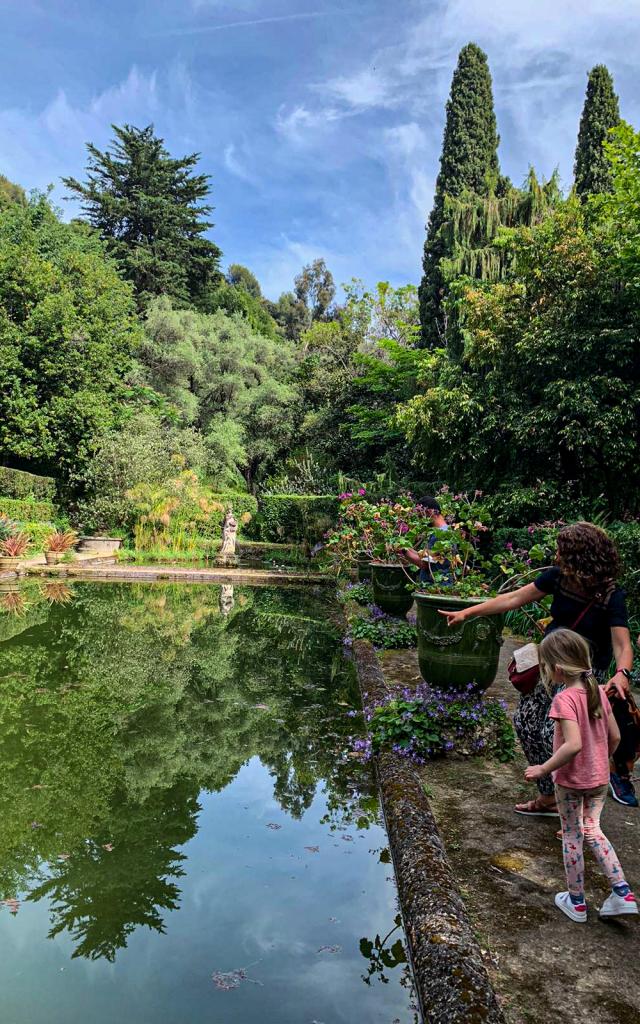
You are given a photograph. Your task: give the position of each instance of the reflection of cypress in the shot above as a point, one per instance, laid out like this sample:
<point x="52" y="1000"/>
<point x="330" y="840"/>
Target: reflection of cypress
<point x="136" y="698"/>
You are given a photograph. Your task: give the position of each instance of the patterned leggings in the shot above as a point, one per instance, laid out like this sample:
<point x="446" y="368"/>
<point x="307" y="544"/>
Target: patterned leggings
<point x="580" y="811"/>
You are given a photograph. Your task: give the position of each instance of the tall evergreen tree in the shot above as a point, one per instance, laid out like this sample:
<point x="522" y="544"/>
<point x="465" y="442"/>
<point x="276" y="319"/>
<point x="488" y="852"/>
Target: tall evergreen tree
<point x="468" y="164"/>
<point x="149" y="209"/>
<point x="600" y="113"/>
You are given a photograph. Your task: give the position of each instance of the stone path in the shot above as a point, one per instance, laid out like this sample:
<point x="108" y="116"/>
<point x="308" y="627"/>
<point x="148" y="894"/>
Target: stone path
<point x="544" y="967"/>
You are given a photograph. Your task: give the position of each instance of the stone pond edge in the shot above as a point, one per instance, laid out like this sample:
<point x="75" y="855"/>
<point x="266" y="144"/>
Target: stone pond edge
<point x="451" y="980"/>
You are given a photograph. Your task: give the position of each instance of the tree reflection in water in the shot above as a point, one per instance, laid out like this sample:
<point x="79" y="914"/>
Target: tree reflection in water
<point x="121" y="703"/>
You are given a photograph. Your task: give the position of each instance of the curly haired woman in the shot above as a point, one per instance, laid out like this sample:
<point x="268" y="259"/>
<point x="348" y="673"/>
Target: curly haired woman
<point x="586" y="598"/>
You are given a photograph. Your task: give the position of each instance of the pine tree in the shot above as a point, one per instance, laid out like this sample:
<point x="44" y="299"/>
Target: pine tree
<point x="148" y="207"/>
<point x="600" y="113"/>
<point x="469" y="164"/>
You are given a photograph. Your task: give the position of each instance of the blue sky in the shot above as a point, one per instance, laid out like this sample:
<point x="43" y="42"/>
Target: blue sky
<point x="320" y="121"/>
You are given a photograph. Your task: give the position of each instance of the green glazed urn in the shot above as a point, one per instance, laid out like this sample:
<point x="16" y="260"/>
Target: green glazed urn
<point x="390" y="588"/>
<point x="363" y="563"/>
<point x="451" y="658"/>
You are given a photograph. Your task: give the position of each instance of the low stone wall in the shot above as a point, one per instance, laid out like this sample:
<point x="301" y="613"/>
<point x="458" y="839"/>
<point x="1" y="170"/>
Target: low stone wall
<point x="451" y="979"/>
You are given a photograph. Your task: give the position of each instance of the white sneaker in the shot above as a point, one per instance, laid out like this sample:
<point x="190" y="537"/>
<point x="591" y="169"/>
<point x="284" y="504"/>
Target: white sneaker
<point x="615" y="905"/>
<point x="577" y="912"/>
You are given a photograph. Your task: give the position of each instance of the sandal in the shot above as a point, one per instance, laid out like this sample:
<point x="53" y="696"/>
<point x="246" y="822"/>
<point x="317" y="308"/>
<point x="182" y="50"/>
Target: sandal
<point x="537" y="809"/>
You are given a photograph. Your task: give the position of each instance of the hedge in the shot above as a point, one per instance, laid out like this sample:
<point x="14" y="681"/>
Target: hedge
<point x="296" y="517"/>
<point x="14" y="483"/>
<point x="27" y="511"/>
<point x="240" y="502"/>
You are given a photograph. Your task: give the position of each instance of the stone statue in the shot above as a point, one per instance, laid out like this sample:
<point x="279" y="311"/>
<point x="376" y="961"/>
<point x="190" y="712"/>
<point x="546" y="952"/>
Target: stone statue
<point x="227" y="599"/>
<point x="229" y="533"/>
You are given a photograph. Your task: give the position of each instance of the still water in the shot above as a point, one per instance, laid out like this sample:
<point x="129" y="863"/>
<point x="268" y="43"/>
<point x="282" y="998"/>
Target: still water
<point x="182" y="838"/>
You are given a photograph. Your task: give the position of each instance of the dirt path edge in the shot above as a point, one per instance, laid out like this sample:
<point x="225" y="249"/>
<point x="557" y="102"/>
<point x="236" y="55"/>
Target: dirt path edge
<point x="452" y="983"/>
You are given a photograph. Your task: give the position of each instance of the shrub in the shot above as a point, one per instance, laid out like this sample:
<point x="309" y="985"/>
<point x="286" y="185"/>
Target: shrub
<point x="14" y="483"/>
<point x="627" y="538"/>
<point x="296" y="517"/>
<point x="26" y="510"/>
<point x="38" y="534"/>
<point x="428" y="723"/>
<point x="384" y="631"/>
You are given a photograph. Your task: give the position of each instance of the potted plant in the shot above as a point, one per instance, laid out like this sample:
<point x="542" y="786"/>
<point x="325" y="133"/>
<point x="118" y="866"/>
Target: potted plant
<point x="460" y="576"/>
<point x="58" y="543"/>
<point x="12" y="549"/>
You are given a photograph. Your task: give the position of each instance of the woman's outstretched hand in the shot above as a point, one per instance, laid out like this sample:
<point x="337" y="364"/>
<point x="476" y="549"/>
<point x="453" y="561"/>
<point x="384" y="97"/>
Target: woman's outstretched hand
<point x="533" y="772"/>
<point x="454" y="618"/>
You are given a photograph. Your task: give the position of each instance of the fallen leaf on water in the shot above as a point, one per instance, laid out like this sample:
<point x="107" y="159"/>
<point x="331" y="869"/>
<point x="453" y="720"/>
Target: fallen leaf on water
<point x="64" y="856"/>
<point x="272" y="825"/>
<point x="36" y="824"/>
<point x="347" y="839"/>
<point x="226" y="981"/>
<point x="108" y="847"/>
<point x="329" y="949"/>
<point x="313" y="849"/>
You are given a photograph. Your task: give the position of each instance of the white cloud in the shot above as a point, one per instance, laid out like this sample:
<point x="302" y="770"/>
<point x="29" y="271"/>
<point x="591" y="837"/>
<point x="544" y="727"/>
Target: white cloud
<point x="40" y="147"/>
<point x="236" y="165"/>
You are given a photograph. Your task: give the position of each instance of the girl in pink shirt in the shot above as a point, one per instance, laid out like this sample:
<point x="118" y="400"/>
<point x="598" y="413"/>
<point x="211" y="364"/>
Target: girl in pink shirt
<point x="585" y="735"/>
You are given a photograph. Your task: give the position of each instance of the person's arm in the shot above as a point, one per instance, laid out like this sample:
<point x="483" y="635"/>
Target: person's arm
<point x="613" y="734"/>
<point x="412" y="556"/>
<point x="571" y="746"/>
<point x="496" y="605"/>
<point x="623" y="653"/>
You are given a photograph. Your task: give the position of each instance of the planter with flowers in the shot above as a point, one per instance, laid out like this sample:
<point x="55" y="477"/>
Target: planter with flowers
<point x="58" y="543"/>
<point x="376" y="531"/>
<point x="461" y="575"/>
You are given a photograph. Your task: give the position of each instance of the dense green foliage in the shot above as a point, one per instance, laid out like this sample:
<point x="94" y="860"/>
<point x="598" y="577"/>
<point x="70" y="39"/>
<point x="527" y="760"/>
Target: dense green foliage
<point x="468" y="164"/>
<point x="14" y="483"/>
<point x="226" y="380"/>
<point x="295" y="517"/>
<point x="548" y="388"/>
<point x="27" y="510"/>
<point x="601" y="113"/>
<point x="148" y="208"/>
<point x="67" y="336"/>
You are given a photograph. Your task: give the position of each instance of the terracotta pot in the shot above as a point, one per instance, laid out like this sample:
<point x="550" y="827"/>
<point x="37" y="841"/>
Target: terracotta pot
<point x="390" y="588"/>
<point x="53" y="557"/>
<point x="8" y="563"/>
<point x="450" y="659"/>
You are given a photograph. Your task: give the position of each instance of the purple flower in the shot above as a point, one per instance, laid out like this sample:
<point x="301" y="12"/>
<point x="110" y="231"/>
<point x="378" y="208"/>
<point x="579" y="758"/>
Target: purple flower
<point x="509" y="546"/>
<point x="362" y="491"/>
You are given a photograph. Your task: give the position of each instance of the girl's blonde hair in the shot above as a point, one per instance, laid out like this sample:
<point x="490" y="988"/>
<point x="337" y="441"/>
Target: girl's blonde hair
<point x="569" y="653"/>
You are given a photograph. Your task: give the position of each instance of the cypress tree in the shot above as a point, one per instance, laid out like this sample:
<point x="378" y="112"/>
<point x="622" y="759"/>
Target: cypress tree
<point x="469" y="164"/>
<point x="600" y="113"/>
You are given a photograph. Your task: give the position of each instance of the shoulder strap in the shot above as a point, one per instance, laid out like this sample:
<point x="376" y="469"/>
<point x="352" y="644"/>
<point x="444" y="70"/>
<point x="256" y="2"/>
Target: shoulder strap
<point x="587" y="608"/>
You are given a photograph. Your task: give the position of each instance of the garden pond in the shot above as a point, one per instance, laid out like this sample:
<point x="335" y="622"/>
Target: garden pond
<point x="184" y="837"/>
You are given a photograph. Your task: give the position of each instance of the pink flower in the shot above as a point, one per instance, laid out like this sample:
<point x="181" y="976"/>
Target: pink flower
<point x="509" y="546"/>
<point x="362" y="491"/>
<point x="403" y="528"/>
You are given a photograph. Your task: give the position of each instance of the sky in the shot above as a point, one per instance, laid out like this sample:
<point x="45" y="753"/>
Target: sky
<point x="319" y="121"/>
